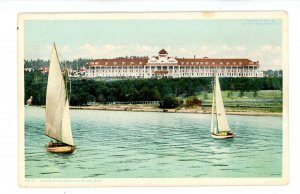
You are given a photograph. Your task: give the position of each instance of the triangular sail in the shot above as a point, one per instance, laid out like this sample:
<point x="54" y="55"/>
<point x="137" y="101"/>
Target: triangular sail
<point x="221" y="116"/>
<point x="58" y="125"/>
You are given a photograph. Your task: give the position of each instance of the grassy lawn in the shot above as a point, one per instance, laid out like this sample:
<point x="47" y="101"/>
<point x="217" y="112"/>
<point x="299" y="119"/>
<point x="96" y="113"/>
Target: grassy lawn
<point x="235" y="95"/>
<point x="263" y="101"/>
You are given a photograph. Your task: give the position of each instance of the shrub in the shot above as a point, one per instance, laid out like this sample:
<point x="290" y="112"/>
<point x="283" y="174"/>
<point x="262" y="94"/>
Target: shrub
<point x="229" y="94"/>
<point x="205" y="96"/>
<point x="193" y="101"/>
<point x="171" y="102"/>
<point x="255" y="94"/>
<point x="242" y="93"/>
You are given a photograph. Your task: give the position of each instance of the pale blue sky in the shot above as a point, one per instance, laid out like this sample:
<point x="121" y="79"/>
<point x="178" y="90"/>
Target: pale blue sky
<point x="254" y="39"/>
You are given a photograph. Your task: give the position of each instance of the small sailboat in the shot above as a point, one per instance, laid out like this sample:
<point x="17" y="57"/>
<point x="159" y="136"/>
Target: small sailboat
<point x="221" y="130"/>
<point x="57" y="122"/>
<point x="29" y="101"/>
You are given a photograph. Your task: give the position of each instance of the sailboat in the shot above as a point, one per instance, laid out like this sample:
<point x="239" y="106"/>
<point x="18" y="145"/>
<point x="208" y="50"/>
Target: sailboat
<point x="221" y="130"/>
<point x="57" y="121"/>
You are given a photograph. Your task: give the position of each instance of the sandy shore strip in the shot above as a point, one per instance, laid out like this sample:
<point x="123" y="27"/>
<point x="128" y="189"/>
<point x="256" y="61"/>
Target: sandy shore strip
<point x="142" y="108"/>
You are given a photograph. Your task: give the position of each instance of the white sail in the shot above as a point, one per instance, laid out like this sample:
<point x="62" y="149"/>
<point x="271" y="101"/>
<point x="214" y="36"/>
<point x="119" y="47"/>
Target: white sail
<point x="57" y="108"/>
<point x="221" y="116"/>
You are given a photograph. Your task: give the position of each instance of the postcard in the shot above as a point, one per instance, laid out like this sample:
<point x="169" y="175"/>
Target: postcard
<point x="153" y="99"/>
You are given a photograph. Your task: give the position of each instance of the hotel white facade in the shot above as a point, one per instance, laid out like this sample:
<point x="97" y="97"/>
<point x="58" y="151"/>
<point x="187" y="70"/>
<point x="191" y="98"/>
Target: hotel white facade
<point x="165" y="66"/>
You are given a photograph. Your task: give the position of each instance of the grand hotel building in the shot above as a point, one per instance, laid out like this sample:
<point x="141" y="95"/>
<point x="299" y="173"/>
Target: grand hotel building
<point x="166" y="66"/>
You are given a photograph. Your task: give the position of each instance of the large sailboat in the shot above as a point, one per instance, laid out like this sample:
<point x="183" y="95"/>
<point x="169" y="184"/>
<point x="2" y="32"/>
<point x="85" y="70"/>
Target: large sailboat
<point x="221" y="130"/>
<point x="57" y="122"/>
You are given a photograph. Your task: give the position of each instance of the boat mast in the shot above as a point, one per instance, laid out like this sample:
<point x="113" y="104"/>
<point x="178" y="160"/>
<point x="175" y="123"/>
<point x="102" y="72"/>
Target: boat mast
<point x="214" y="100"/>
<point x="70" y="86"/>
<point x="212" y="107"/>
<point x="65" y="74"/>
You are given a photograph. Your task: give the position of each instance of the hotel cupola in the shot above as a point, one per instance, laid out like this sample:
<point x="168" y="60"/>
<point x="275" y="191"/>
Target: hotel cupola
<point x="163" y="53"/>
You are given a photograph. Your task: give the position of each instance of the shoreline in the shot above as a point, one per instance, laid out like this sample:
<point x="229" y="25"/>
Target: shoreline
<point x="182" y="110"/>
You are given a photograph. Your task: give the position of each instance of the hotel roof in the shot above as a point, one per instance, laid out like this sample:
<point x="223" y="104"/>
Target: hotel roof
<point x="133" y="61"/>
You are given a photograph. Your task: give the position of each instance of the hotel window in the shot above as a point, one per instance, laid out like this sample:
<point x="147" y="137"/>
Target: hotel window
<point x="106" y="63"/>
<point x="182" y="63"/>
<point x="221" y="63"/>
<point x="234" y="63"/>
<point x="131" y="63"/>
<point x="123" y="63"/>
<point x="206" y="63"/>
<point x="192" y="63"/>
<point x="115" y="63"/>
<point x="187" y="63"/>
<point x="201" y="63"/>
<point x="197" y="63"/>
<point x="240" y="63"/>
<point x="96" y="63"/>
<point x="227" y="63"/>
<point x="140" y="62"/>
<point x="213" y="63"/>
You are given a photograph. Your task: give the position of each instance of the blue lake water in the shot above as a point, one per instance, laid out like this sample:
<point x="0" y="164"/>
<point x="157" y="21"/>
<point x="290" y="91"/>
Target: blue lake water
<point x="120" y="144"/>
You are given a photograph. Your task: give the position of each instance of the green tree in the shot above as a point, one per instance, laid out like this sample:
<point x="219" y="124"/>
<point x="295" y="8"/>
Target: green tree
<point x="91" y="98"/>
<point x="205" y="96"/>
<point x="101" y="98"/>
<point x="145" y="93"/>
<point x="229" y="94"/>
<point x="35" y="86"/>
<point x="171" y="102"/>
<point x="242" y="93"/>
<point x="255" y="94"/>
<point x="155" y="94"/>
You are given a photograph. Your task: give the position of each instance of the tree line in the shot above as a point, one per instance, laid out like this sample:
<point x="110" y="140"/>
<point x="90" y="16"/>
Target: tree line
<point x="36" y="64"/>
<point x="91" y="90"/>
